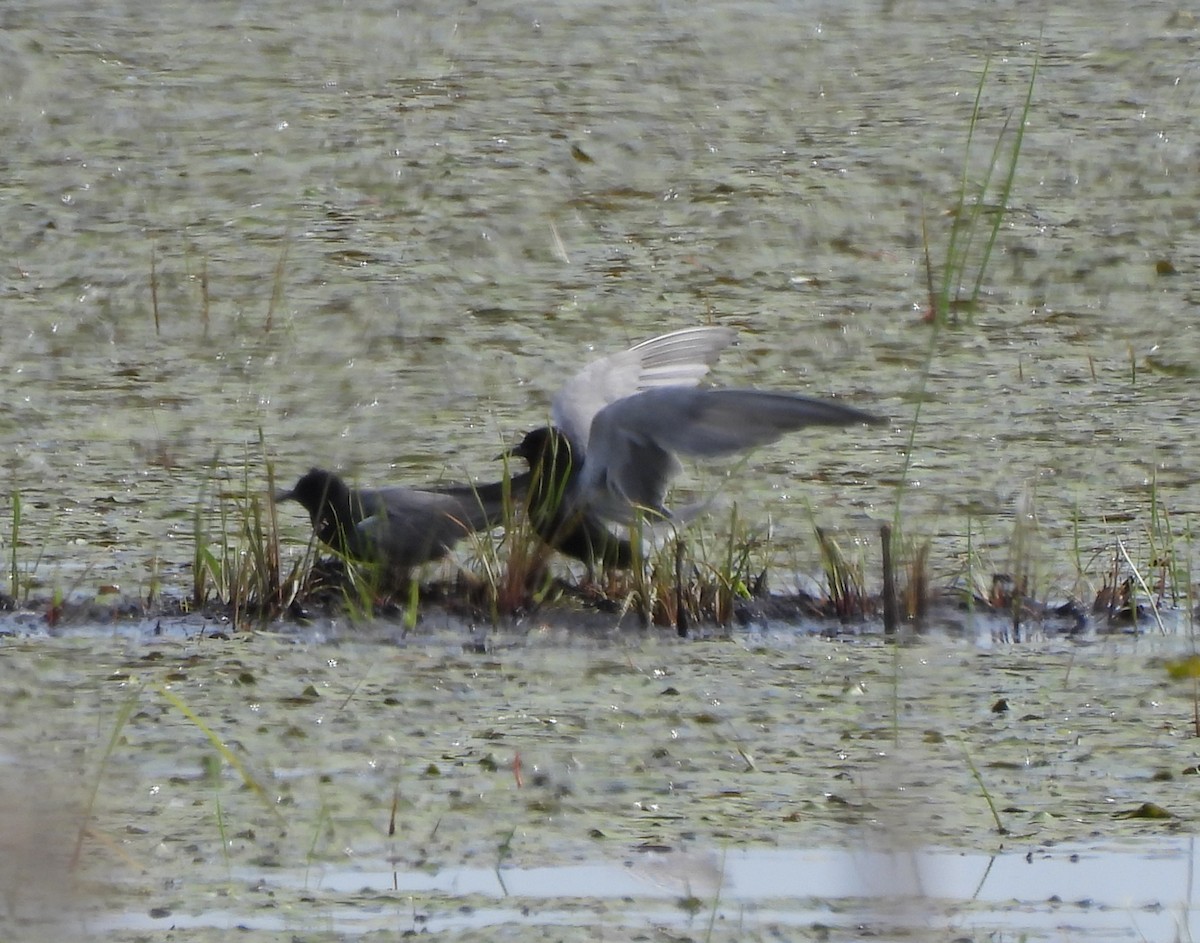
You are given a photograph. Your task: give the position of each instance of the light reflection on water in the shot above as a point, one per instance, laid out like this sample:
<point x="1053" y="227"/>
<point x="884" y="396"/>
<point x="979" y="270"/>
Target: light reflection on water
<point x="1142" y="891"/>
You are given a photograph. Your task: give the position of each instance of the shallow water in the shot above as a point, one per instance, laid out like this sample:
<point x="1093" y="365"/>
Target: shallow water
<point x="555" y="780"/>
<point x="1043" y="893"/>
<point x="379" y="237"/>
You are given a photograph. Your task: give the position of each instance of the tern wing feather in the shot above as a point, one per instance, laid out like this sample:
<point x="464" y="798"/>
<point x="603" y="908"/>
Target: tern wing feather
<point x="681" y="358"/>
<point x="633" y="443"/>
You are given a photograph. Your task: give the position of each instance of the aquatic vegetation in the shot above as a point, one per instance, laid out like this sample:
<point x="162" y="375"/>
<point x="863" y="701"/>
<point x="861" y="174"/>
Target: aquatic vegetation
<point x="514" y="570"/>
<point x="367" y="762"/>
<point x="978" y="214"/>
<point x="14" y="572"/>
<point x="236" y="559"/>
<point x="845" y="579"/>
<point x="979" y="211"/>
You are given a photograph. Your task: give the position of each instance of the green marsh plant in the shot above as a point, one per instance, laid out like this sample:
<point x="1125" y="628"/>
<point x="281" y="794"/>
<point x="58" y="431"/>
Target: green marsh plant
<point x="14" y="537"/>
<point x="979" y="212"/>
<point x="960" y="266"/>
<point x="513" y="570"/>
<point x="1139" y="583"/>
<point x="1173" y="580"/>
<point x="740" y="571"/>
<point x="914" y="597"/>
<point x="123" y="714"/>
<point x="1001" y="829"/>
<point x="23" y="575"/>
<point x="226" y="752"/>
<point x="845" y="579"/>
<point x="701" y="575"/>
<point x="236" y="560"/>
<point x="1023" y="556"/>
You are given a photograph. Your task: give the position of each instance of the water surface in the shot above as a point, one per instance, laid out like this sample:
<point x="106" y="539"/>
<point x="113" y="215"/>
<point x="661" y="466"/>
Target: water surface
<point x="377" y="237"/>
<point x="380" y="236"/>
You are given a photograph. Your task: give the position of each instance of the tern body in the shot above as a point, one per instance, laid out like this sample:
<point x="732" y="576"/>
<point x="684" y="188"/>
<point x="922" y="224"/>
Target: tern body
<point x="398" y="527"/>
<point x="620" y="425"/>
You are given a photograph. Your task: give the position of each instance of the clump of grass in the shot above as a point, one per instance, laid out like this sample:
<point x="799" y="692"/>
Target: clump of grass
<point x="1116" y="598"/>
<point x="678" y="582"/>
<point x="364" y="588"/>
<point x="1138" y="582"/>
<point x="514" y="571"/>
<point x="1131" y="590"/>
<point x="845" y="580"/>
<point x="696" y="577"/>
<point x="907" y="602"/>
<point x="1011" y="587"/>
<point x="740" y="572"/>
<point x="1016" y="589"/>
<point x="236" y="559"/>
<point x="978" y="213"/>
<point x="645" y="593"/>
<point x="664" y="587"/>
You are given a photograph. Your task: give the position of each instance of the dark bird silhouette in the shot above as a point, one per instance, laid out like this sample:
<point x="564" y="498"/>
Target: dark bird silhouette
<point x="679" y="358"/>
<point x="620" y="423"/>
<point x="399" y="528"/>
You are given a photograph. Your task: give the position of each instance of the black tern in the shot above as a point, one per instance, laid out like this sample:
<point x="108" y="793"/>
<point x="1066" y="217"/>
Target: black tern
<point x="680" y="358"/>
<point x="399" y="528"/>
<point x="618" y="425"/>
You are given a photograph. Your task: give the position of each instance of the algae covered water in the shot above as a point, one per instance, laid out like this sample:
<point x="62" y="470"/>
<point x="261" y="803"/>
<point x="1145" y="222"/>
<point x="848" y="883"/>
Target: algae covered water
<point x="562" y="784"/>
<point x="376" y="237"/>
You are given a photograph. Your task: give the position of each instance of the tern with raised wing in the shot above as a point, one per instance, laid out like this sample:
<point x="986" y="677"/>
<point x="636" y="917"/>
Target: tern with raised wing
<point x="619" y="425"/>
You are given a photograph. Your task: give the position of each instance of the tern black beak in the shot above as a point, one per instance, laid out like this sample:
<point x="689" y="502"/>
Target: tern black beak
<point x="515" y="451"/>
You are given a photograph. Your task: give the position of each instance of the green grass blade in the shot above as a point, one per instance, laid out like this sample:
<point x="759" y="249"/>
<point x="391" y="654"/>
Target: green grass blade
<point x="123" y="715"/>
<point x="218" y="744"/>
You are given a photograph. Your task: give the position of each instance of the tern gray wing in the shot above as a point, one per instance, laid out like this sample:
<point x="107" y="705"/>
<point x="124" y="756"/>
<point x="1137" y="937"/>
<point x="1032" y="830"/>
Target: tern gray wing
<point x="478" y="504"/>
<point x="633" y="443"/>
<point x="409" y="526"/>
<point x="681" y="358"/>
